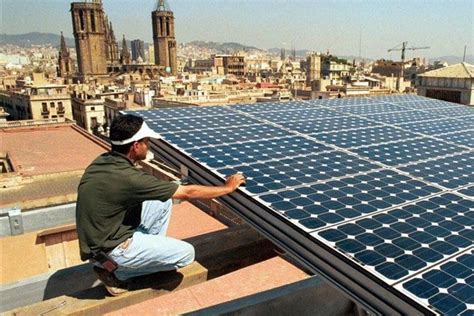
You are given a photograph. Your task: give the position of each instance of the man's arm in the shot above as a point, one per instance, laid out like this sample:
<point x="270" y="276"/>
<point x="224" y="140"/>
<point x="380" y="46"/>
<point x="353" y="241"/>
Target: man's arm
<point x="185" y="192"/>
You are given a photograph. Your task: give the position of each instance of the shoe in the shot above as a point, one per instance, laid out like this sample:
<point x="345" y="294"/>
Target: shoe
<point x="114" y="286"/>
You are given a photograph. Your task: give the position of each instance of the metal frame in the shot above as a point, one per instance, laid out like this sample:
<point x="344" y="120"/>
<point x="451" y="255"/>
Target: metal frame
<point x="362" y="287"/>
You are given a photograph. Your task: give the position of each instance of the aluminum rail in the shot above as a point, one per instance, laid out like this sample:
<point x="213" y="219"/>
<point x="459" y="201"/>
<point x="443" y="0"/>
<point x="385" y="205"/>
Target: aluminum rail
<point x="362" y="287"/>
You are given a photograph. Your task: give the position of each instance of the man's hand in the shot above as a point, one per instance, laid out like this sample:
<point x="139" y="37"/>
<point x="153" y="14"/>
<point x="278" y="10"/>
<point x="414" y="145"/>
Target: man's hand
<point x="234" y="181"/>
<point x="194" y="191"/>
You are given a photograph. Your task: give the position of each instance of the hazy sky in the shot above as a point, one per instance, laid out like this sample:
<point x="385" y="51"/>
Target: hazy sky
<point x="444" y="25"/>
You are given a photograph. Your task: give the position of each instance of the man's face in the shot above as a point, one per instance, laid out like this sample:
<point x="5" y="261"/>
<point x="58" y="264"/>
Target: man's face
<point x="141" y="148"/>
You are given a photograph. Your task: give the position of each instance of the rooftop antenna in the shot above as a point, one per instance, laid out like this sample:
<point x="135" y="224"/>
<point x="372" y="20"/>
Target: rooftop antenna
<point x="464" y="56"/>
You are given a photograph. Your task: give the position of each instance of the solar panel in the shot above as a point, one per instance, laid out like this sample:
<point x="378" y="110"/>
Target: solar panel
<point x="376" y="194"/>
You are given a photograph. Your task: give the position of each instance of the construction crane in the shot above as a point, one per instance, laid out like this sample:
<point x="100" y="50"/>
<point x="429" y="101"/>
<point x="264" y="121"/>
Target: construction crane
<point x="402" y="66"/>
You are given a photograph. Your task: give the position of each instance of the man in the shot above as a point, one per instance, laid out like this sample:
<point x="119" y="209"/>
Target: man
<point x="123" y="213"/>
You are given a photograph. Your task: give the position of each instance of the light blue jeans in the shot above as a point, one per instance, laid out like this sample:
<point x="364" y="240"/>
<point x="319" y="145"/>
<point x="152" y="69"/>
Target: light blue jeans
<point x="149" y="250"/>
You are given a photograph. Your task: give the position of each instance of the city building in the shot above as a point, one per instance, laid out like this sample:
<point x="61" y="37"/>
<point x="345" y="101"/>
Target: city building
<point x="163" y="37"/>
<point x="89" y="33"/>
<point x="453" y="83"/>
<point x="230" y="65"/>
<point x="138" y="50"/>
<point x="38" y="102"/>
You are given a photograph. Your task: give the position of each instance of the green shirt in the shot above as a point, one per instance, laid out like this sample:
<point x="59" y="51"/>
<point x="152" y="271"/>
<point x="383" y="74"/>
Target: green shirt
<point x="109" y="201"/>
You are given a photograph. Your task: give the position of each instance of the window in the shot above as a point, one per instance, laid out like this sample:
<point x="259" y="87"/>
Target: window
<point x="92" y="108"/>
<point x="52" y="105"/>
<point x="81" y="20"/>
<point x="45" y="106"/>
<point x="93" y="21"/>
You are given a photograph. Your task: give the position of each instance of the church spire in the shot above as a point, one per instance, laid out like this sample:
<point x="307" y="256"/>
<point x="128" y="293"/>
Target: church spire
<point x="125" y="53"/>
<point x="63" y="47"/>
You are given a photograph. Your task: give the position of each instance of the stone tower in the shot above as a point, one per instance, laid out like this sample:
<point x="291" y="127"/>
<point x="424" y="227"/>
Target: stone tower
<point x="65" y="62"/>
<point x="89" y="33"/>
<point x="313" y="68"/>
<point x="163" y="37"/>
<point x="125" y="57"/>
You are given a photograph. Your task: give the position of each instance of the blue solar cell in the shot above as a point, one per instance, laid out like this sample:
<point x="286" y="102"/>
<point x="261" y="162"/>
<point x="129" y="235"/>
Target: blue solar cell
<point x="271" y="106"/>
<point x="199" y="123"/>
<point x="464" y="138"/>
<point x="327" y="125"/>
<point x="469" y="191"/>
<point x="255" y="151"/>
<point x="396" y="223"/>
<point x="402" y="117"/>
<point x="450" y="172"/>
<point x="300" y="170"/>
<point x="410" y="151"/>
<point x="404" y="235"/>
<point x="452" y="110"/>
<point x="370" y="108"/>
<point x="212" y="137"/>
<point x="297" y="115"/>
<point x="365" y="136"/>
<point x="437" y="127"/>
<point x="446" y="287"/>
<point x="344" y="102"/>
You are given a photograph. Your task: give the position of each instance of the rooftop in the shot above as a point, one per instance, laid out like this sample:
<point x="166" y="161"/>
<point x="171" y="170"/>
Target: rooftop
<point x="47" y="162"/>
<point x="49" y="149"/>
<point x="462" y="70"/>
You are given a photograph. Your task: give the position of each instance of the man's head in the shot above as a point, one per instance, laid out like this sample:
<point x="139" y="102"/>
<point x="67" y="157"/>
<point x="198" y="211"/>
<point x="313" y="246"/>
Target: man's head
<point x="129" y="135"/>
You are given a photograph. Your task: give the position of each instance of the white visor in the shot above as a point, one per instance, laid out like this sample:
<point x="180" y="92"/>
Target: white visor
<point x="143" y="132"/>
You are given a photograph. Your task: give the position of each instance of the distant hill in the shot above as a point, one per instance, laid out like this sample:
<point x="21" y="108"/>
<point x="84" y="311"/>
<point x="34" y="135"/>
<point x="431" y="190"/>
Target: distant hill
<point x="37" y="38"/>
<point x="34" y="38"/>
<point x="223" y="47"/>
<point x="453" y="59"/>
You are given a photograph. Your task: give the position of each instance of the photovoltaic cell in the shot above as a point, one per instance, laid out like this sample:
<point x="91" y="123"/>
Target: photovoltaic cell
<point x="404" y="240"/>
<point x="201" y="122"/>
<point x="468" y="191"/>
<point x="220" y="136"/>
<point x="437" y="127"/>
<point x="450" y="172"/>
<point x="339" y="200"/>
<point x="365" y="136"/>
<point x="451" y="111"/>
<point x="448" y="288"/>
<point x="279" y="174"/>
<point x="370" y="108"/>
<point x="386" y="182"/>
<point x="296" y="115"/>
<point x="410" y="151"/>
<point x="255" y="151"/>
<point x="464" y="138"/>
<point x="327" y="125"/>
<point x="271" y="106"/>
<point x="402" y="117"/>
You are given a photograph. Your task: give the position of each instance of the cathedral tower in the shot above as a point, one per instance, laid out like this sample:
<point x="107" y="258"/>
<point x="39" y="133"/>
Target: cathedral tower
<point x="163" y="37"/>
<point x="89" y="33"/>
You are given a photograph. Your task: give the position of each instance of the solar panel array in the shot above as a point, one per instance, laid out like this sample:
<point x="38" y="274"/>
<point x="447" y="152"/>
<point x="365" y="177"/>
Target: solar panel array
<point x="386" y="181"/>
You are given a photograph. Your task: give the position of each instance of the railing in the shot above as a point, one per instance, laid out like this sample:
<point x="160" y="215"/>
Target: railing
<point x="11" y="124"/>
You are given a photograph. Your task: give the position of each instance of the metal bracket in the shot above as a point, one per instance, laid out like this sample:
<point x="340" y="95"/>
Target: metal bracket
<point x="16" y="221"/>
